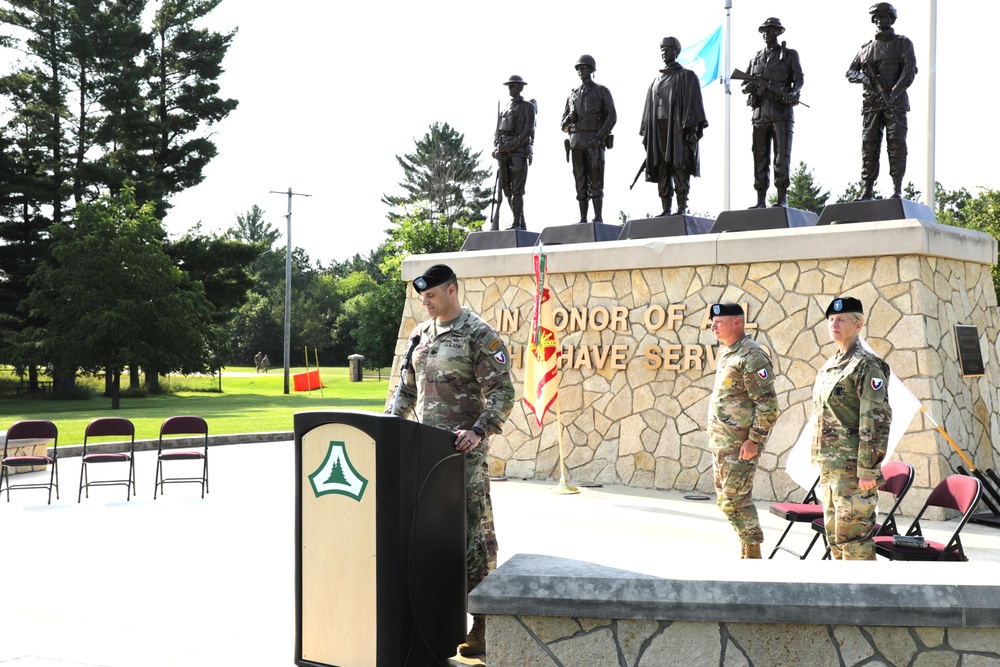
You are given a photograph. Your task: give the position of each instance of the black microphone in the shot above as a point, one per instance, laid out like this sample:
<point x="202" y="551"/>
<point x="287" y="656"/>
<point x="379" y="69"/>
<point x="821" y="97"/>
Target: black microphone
<point x="409" y="352"/>
<point x="402" y="371"/>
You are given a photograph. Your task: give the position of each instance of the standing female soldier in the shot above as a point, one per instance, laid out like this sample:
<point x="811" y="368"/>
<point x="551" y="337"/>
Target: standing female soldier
<point x="852" y="432"/>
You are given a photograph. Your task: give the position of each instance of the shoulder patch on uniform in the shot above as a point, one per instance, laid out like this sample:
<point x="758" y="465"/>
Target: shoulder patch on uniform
<point x="877" y="383"/>
<point x="757" y="361"/>
<point x="501" y="357"/>
<point x="762" y="374"/>
<point x="495" y="344"/>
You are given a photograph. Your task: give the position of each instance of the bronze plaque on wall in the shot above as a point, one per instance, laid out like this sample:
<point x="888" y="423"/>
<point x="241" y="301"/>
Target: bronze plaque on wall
<point x="969" y="354"/>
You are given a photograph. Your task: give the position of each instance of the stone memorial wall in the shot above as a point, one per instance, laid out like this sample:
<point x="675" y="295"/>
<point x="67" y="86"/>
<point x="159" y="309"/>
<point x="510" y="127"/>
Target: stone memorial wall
<point x="638" y="356"/>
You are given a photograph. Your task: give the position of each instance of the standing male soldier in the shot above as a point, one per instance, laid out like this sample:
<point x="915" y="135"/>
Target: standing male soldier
<point x="513" y="141"/>
<point x="741" y="413"/>
<point x="886" y="67"/>
<point x="460" y="382"/>
<point x="673" y="120"/>
<point x="589" y="117"/>
<point x="776" y="79"/>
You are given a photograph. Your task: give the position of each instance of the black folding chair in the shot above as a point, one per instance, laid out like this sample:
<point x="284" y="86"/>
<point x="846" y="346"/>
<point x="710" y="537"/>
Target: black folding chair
<point x="806" y="511"/>
<point x="31" y="429"/>
<point x="185" y="425"/>
<point x="108" y="427"/>
<point x="955" y="492"/>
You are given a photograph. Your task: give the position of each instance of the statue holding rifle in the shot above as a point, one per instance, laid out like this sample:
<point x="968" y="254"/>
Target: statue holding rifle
<point x="514" y="137"/>
<point x="772" y="84"/>
<point x="885" y="66"/>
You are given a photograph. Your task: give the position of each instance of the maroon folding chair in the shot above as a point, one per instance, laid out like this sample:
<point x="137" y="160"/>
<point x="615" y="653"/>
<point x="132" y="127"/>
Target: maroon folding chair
<point x="185" y="425"/>
<point x="31" y="429"/>
<point x="955" y="492"/>
<point x="898" y="480"/>
<point x="108" y="427"/>
<point x="808" y="510"/>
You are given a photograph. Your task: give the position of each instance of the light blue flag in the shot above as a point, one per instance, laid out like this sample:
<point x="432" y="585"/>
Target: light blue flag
<point x="703" y="57"/>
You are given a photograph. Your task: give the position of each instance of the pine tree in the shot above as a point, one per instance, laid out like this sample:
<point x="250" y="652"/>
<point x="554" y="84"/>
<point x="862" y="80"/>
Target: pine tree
<point x="337" y="474"/>
<point x="444" y="172"/>
<point x="184" y="66"/>
<point x="804" y="193"/>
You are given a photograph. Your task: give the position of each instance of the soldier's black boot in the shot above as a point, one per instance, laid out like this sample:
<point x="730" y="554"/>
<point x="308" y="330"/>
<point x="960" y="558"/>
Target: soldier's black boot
<point x="475" y="643"/>
<point x="868" y="193"/>
<point x="517" y="208"/>
<point x="583" y="210"/>
<point x="682" y="205"/>
<point x="782" y="200"/>
<point x="761" y="199"/>
<point x="598" y="210"/>
<point x="897" y="188"/>
<point x="666" y="207"/>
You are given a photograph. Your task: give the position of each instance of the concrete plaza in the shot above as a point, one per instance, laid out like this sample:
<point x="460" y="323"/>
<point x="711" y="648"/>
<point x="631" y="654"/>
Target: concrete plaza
<point x="182" y="581"/>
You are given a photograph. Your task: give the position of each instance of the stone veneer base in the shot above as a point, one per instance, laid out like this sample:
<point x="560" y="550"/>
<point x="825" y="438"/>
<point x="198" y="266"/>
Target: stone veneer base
<point x="549" y="611"/>
<point x="627" y="423"/>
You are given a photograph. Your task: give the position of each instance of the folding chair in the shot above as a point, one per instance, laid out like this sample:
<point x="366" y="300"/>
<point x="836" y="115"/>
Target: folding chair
<point x="898" y="480"/>
<point x="955" y="492"/>
<point x="808" y="510"/>
<point x="31" y="429"/>
<point x="104" y="427"/>
<point x="185" y="425"/>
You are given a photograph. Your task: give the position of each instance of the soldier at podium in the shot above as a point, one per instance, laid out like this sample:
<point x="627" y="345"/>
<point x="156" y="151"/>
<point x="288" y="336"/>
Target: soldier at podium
<point x="460" y="381"/>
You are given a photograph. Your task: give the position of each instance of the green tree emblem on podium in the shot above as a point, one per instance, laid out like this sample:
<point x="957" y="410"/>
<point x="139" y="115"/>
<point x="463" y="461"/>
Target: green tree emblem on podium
<point x="339" y="474"/>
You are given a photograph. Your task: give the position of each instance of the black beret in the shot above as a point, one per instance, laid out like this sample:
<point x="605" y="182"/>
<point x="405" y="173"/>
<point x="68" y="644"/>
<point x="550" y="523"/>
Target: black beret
<point x="726" y="309"/>
<point x="844" y="304"/>
<point x="434" y="276"/>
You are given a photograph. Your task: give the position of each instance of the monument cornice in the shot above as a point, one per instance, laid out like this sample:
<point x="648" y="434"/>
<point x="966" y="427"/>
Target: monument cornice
<point x="862" y="239"/>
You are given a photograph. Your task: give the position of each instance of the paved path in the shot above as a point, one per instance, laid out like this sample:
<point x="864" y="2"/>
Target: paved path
<point x="182" y="581"/>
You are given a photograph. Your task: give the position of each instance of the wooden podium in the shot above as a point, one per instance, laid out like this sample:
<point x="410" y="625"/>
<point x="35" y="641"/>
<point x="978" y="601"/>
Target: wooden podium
<point x="379" y="541"/>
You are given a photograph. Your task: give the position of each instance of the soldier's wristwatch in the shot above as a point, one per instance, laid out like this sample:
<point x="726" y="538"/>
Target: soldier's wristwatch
<point x="478" y="431"/>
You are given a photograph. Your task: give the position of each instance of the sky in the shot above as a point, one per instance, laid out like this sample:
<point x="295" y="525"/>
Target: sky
<point x="330" y="93"/>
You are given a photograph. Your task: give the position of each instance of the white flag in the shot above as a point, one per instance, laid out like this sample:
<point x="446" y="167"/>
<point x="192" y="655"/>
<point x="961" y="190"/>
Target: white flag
<point x="904" y="404"/>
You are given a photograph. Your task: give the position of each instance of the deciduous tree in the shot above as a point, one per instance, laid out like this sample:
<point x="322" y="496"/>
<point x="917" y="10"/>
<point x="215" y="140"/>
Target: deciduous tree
<point x="110" y="296"/>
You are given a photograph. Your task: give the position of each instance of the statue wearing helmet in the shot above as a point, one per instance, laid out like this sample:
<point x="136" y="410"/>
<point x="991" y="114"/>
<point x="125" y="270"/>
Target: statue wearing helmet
<point x="772" y="90"/>
<point x="886" y="66"/>
<point x="588" y="117"/>
<point x="673" y="121"/>
<point x="514" y="138"/>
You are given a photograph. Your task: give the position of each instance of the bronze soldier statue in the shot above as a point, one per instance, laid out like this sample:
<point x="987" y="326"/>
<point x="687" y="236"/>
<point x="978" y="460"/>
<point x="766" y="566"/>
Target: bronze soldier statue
<point x="514" y="138"/>
<point x="886" y="66"/>
<point x="774" y="79"/>
<point x="588" y="117"/>
<point x="673" y="120"/>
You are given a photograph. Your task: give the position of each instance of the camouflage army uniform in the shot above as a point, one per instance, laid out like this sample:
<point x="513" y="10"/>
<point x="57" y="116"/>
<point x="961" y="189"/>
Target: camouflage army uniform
<point x="463" y="380"/>
<point x="743" y="407"/>
<point x="852" y="433"/>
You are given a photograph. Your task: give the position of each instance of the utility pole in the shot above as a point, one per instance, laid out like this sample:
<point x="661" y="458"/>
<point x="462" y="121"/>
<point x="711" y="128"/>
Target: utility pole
<point x="728" y="96"/>
<point x="287" y="349"/>
<point x="932" y="110"/>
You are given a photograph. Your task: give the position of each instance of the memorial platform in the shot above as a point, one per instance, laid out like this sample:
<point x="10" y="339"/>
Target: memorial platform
<point x="185" y="582"/>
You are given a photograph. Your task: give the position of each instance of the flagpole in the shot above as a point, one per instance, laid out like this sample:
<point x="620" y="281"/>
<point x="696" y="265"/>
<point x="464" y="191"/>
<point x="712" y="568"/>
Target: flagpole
<point x="564" y="487"/>
<point x="948" y="438"/>
<point x="932" y="108"/>
<point x="728" y="99"/>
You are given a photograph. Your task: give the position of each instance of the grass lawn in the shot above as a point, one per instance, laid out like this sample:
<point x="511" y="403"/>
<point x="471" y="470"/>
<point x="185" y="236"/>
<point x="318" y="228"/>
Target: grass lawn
<point x="249" y="403"/>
